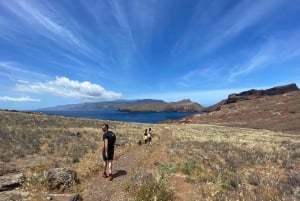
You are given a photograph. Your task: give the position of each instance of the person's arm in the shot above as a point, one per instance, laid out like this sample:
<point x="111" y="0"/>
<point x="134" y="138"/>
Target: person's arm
<point x="106" y="147"/>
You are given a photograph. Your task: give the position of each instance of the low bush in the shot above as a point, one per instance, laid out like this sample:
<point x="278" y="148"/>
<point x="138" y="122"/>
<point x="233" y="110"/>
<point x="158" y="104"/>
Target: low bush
<point x="152" y="190"/>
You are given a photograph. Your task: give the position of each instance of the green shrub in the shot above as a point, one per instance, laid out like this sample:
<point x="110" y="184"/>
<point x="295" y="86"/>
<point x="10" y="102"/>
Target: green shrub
<point x="190" y="168"/>
<point x="152" y="190"/>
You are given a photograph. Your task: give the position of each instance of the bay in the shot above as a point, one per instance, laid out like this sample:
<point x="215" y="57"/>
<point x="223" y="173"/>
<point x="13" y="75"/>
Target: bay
<point x="113" y="115"/>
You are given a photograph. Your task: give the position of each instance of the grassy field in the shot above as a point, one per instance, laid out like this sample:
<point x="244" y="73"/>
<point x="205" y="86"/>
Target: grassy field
<point x="216" y="162"/>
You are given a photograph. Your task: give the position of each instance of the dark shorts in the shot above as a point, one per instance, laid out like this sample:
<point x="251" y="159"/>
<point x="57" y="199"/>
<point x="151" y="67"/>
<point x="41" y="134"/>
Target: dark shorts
<point x="110" y="154"/>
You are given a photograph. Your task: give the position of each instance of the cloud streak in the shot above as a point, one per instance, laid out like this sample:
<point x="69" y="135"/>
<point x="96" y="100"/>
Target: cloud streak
<point x="64" y="87"/>
<point x="274" y="50"/>
<point x="20" y="99"/>
<point x="16" y="72"/>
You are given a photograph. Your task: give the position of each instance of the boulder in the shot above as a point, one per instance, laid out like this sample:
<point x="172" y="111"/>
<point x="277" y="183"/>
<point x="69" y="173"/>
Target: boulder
<point x="64" y="197"/>
<point x="11" y="181"/>
<point x="61" y="179"/>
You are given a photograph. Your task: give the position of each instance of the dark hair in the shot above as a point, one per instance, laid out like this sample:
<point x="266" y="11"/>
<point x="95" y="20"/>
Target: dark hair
<point x="106" y="125"/>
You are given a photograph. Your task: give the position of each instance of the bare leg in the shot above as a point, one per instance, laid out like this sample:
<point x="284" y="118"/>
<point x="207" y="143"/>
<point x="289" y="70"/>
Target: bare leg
<point x="110" y="165"/>
<point x="104" y="169"/>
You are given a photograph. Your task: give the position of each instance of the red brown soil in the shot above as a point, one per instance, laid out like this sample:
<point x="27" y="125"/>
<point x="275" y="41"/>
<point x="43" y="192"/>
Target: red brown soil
<point x="277" y="113"/>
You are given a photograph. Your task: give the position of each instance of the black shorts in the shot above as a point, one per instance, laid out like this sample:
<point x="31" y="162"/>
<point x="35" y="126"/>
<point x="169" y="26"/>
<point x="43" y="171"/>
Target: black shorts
<point x="110" y="154"/>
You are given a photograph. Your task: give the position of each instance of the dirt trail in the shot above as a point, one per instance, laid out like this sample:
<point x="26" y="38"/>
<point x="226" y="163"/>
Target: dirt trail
<point x="142" y="157"/>
<point x="100" y="189"/>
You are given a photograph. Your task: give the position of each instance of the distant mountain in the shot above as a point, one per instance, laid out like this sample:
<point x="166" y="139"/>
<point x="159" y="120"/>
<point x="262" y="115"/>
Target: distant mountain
<point x="105" y="105"/>
<point x="185" y="105"/>
<point x="142" y="105"/>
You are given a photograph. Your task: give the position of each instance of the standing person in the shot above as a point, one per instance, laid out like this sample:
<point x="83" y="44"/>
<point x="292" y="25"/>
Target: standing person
<point x="149" y="135"/>
<point x="145" y="136"/>
<point x="109" y="139"/>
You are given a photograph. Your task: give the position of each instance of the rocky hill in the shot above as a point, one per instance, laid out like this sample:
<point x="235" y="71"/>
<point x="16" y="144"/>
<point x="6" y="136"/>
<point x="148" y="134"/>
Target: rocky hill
<point x="276" y="109"/>
<point x="180" y="106"/>
<point x="253" y="94"/>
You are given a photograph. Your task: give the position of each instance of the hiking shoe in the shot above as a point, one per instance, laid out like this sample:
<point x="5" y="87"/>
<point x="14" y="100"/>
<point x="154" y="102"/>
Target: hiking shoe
<point x="110" y="177"/>
<point x="104" y="175"/>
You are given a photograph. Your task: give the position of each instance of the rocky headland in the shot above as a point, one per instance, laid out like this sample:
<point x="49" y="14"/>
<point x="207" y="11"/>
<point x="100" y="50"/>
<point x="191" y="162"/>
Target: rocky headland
<point x="275" y="109"/>
<point x="185" y="105"/>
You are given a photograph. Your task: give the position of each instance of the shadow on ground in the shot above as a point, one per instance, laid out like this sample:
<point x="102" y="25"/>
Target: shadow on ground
<point x="120" y="173"/>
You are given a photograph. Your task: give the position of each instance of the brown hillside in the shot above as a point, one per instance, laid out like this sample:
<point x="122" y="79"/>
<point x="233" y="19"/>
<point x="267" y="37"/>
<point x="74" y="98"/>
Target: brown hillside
<point x="276" y="112"/>
<point x="186" y="162"/>
<point x="253" y="94"/>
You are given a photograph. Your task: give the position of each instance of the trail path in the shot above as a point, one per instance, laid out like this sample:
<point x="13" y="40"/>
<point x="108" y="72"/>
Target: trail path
<point x="142" y="157"/>
<point x="100" y="189"/>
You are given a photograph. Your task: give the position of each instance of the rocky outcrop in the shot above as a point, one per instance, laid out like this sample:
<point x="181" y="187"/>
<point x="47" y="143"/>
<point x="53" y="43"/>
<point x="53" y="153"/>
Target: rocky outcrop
<point x="11" y="181"/>
<point x="64" y="197"/>
<point x="60" y="179"/>
<point x="185" y="105"/>
<point x="253" y="94"/>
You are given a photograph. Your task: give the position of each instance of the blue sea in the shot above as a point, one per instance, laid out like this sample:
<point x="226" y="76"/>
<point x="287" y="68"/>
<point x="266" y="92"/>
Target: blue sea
<point x="141" y="117"/>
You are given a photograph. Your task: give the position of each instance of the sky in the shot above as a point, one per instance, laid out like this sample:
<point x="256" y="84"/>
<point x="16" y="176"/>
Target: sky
<point x="61" y="52"/>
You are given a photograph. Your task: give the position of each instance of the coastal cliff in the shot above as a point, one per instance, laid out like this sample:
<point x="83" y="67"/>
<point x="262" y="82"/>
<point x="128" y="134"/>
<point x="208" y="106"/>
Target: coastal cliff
<point x="275" y="109"/>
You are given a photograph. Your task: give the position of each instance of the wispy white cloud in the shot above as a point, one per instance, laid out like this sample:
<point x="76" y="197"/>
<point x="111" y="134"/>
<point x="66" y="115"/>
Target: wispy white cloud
<point x="248" y="13"/>
<point x="206" y="36"/>
<point x="245" y="15"/>
<point x="16" y="72"/>
<point x="44" y="19"/>
<point x="257" y="61"/>
<point x="20" y="99"/>
<point x="64" y="87"/>
<point x="274" y="50"/>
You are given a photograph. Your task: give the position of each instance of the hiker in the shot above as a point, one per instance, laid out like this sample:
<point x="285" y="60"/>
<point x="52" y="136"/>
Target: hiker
<point x="149" y="136"/>
<point x="109" y="139"/>
<point x="145" y="136"/>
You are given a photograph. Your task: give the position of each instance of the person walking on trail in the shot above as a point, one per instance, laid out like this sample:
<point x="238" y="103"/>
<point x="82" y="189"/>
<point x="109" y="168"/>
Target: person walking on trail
<point x="145" y="136"/>
<point x="109" y="139"/>
<point x="149" y="136"/>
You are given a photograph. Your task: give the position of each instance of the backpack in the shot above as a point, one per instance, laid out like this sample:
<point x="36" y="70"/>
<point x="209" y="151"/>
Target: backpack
<point x="111" y="138"/>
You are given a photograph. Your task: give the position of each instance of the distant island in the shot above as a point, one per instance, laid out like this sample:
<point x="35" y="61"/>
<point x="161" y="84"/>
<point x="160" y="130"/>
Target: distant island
<point x="142" y="105"/>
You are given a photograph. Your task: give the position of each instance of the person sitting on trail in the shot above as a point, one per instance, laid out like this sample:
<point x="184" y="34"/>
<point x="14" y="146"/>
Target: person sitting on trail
<point x="145" y="136"/>
<point x="149" y="135"/>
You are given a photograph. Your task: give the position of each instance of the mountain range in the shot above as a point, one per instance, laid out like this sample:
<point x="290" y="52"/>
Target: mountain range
<point x="142" y="105"/>
<point x="186" y="105"/>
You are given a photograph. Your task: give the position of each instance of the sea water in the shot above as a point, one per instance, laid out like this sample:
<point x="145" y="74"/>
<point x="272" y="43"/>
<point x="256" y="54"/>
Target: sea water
<point x="113" y="115"/>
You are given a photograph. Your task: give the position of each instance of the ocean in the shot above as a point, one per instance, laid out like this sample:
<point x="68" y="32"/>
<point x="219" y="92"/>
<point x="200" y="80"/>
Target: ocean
<point x="113" y="115"/>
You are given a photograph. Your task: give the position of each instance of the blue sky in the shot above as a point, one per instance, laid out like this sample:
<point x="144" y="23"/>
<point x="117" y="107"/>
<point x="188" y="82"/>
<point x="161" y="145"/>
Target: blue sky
<point x="60" y="52"/>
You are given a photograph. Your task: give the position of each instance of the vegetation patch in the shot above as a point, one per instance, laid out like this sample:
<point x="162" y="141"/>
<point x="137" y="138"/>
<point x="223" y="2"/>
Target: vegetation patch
<point x="152" y="190"/>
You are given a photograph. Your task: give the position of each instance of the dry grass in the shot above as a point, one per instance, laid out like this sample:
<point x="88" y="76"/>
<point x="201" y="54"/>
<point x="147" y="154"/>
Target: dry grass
<point x="221" y="163"/>
<point x="238" y="164"/>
